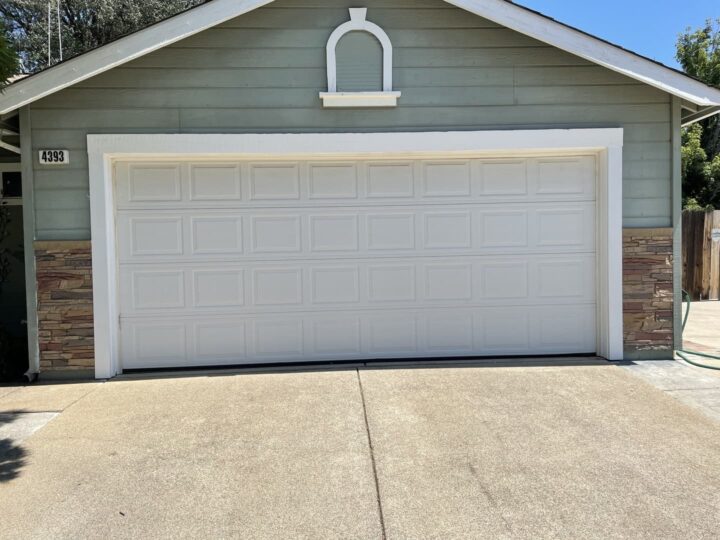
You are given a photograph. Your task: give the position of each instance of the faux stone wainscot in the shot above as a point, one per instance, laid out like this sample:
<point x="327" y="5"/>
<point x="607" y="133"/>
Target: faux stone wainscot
<point x="65" y="306"/>
<point x="648" y="293"/>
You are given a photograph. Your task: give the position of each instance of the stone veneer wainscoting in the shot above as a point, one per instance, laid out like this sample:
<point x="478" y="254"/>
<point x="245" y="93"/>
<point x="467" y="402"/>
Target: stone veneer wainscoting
<point x="648" y="293"/>
<point x="65" y="308"/>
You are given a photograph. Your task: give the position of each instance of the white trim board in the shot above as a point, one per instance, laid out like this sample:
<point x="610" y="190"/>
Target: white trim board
<point x="213" y="13"/>
<point x="103" y="150"/>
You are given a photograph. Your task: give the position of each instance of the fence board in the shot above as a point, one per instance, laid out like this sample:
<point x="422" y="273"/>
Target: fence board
<point x="701" y="254"/>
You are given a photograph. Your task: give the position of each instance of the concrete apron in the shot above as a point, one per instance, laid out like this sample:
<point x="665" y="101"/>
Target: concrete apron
<point x="451" y="452"/>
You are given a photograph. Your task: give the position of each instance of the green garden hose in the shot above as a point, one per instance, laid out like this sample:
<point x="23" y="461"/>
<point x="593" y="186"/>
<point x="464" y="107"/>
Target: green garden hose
<point x="684" y="353"/>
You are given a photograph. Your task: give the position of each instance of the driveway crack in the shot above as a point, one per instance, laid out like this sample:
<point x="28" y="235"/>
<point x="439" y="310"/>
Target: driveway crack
<point x="372" y="457"/>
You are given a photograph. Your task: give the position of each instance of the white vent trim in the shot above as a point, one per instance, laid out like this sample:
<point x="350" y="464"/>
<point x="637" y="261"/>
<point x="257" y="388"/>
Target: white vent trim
<point x="334" y="99"/>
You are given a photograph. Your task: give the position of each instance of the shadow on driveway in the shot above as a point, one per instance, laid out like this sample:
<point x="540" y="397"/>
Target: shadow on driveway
<point x="12" y="455"/>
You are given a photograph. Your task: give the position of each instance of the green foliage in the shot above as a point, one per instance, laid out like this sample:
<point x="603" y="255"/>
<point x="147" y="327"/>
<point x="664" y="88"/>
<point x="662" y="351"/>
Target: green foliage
<point x="8" y="58"/>
<point x="698" y="52"/>
<point x="86" y="24"/>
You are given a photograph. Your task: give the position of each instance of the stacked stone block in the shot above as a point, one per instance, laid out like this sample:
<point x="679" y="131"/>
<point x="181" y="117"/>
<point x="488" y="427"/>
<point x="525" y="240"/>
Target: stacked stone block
<point x="648" y="292"/>
<point x="65" y="306"/>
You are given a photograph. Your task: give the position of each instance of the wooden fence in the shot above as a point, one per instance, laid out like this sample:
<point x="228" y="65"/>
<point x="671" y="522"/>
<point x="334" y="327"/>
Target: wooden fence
<point x="701" y="254"/>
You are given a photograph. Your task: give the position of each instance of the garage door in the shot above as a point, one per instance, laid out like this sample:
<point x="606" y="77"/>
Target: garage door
<point x="236" y="262"/>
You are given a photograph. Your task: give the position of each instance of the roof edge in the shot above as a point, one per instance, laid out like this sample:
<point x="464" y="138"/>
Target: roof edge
<point x="592" y="48"/>
<point x="503" y="12"/>
<point x="122" y="50"/>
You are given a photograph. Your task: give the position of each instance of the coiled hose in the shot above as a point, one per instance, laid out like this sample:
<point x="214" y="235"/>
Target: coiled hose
<point x="684" y="353"/>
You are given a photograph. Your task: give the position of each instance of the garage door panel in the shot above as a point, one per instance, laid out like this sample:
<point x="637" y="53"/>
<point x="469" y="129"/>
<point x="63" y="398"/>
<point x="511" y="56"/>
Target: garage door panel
<point x="332" y="181"/>
<point x="218" y="288"/>
<point x="226" y="261"/>
<point x="274" y="181"/>
<point x="357" y="232"/>
<point x="219" y="341"/>
<point x="291" y="183"/>
<point x="216" y="235"/>
<point x="363" y="284"/>
<point x="214" y="183"/>
<point x="565" y="177"/>
<point x="354" y="335"/>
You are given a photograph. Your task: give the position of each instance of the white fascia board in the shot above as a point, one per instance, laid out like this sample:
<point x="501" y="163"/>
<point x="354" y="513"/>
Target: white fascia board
<point x="593" y="49"/>
<point x="123" y="50"/>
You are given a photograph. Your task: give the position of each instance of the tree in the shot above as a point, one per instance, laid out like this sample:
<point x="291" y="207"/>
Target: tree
<point x="699" y="54"/>
<point x="8" y="59"/>
<point x="86" y="24"/>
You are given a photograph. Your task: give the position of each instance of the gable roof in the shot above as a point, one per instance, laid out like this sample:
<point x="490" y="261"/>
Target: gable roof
<point x="502" y="12"/>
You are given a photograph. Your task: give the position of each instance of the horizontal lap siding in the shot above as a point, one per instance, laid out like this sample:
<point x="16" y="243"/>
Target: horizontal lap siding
<point x="262" y="73"/>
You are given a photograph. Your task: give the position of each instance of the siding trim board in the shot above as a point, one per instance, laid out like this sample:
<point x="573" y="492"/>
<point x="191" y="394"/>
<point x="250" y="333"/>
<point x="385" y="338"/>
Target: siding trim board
<point x="502" y="12"/>
<point x="103" y="150"/>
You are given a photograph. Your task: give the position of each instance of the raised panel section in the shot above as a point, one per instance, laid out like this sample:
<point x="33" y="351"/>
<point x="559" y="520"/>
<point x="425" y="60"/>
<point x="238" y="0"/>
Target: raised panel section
<point x="334" y="233"/>
<point x="566" y="279"/>
<point x="277" y="286"/>
<point x="156" y="236"/>
<point x="390" y="180"/>
<point x="448" y="281"/>
<point x="333" y="181"/>
<point x="504" y="229"/>
<point x="276" y="234"/>
<point x="220" y="341"/>
<point x="561" y="227"/>
<point x="218" y="288"/>
<point x="570" y="329"/>
<point x="391" y="231"/>
<point x="391" y="283"/>
<point x="158" y="344"/>
<point x="446" y="179"/>
<point x="216" y="235"/>
<point x="392" y="335"/>
<point x="506" y="330"/>
<point x="274" y="181"/>
<point x="503" y="178"/>
<point x="448" y="230"/>
<point x="336" y="336"/>
<point x="335" y="285"/>
<point x="157" y="290"/>
<point x="566" y="176"/>
<point x="155" y="183"/>
<point x="278" y="338"/>
<point x="215" y="182"/>
<point x="449" y="333"/>
<point x="505" y="280"/>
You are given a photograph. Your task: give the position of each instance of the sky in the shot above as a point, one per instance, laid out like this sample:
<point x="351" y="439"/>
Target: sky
<point x="648" y="27"/>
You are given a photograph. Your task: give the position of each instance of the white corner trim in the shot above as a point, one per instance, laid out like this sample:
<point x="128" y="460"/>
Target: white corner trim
<point x="104" y="149"/>
<point x="358" y="22"/>
<point x="336" y="100"/>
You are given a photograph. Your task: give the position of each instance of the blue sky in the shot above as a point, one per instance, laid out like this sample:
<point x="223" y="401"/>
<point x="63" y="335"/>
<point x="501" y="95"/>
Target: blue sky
<point x="649" y="27"/>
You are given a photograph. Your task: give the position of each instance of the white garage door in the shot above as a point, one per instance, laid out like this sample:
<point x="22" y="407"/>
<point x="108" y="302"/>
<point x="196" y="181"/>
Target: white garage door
<point x="239" y="262"/>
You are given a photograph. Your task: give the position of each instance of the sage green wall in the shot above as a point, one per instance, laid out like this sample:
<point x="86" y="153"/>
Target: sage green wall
<point x="262" y="73"/>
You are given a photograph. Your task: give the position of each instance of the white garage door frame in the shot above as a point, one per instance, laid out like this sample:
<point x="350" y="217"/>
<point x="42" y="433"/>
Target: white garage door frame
<point x="103" y="150"/>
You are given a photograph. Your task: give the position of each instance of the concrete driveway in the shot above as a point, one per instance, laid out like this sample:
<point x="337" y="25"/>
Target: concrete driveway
<point x="461" y="452"/>
<point x="702" y="332"/>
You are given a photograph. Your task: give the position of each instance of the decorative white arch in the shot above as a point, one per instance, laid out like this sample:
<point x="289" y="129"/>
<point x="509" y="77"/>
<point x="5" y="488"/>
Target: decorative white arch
<point x="385" y="98"/>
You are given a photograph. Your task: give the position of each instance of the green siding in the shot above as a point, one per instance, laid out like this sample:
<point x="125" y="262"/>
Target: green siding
<point x="359" y="63"/>
<point x="262" y="73"/>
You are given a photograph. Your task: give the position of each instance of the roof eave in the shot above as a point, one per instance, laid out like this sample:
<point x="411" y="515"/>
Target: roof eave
<point x="123" y="50"/>
<point x="503" y="12"/>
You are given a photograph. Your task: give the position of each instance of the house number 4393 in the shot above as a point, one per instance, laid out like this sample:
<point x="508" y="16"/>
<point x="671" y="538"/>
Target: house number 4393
<point x="54" y="157"/>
